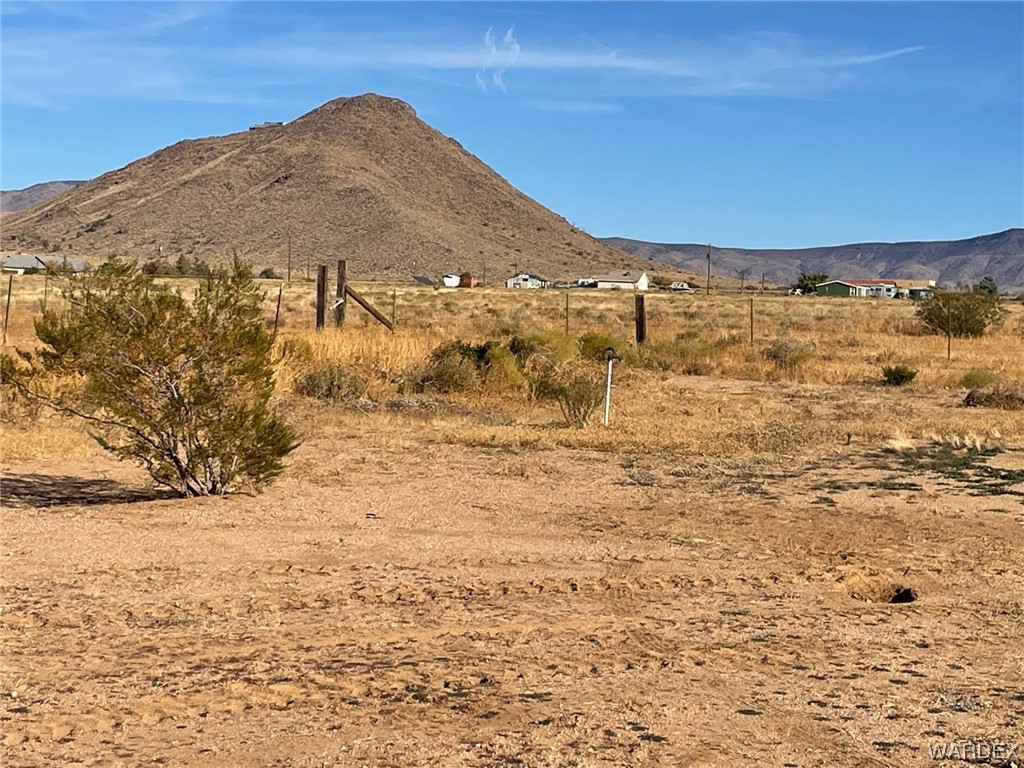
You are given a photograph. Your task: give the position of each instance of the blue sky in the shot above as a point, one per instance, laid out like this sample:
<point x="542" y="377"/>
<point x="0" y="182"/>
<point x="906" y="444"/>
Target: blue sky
<point x="744" y="124"/>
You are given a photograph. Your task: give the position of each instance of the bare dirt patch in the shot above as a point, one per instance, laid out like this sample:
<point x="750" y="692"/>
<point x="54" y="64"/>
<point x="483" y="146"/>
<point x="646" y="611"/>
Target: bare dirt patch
<point x="403" y="602"/>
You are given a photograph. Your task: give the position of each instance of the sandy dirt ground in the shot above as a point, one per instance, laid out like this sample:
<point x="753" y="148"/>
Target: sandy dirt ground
<point x="422" y="604"/>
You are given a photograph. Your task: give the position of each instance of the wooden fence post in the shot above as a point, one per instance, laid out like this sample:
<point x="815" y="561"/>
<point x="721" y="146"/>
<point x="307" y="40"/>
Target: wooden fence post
<point x="641" y="319"/>
<point x="321" y="296"/>
<point x="339" y="294"/>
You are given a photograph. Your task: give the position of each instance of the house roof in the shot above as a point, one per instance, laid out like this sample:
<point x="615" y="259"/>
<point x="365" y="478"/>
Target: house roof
<point x="531" y="276"/>
<point x="620" y="277"/>
<point x="422" y="280"/>
<point x="857" y="283"/>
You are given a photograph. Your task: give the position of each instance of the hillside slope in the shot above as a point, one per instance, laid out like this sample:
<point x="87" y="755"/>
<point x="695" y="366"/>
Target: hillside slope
<point x="359" y="178"/>
<point x="948" y="262"/>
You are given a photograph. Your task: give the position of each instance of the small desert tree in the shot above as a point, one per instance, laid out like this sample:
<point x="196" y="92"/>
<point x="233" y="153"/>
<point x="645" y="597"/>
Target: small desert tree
<point x="180" y="385"/>
<point x="807" y="282"/>
<point x="960" y="314"/>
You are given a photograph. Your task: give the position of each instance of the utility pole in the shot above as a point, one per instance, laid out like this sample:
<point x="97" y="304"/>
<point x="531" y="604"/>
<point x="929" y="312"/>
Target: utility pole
<point x="708" y="290"/>
<point x="289" y="255"/>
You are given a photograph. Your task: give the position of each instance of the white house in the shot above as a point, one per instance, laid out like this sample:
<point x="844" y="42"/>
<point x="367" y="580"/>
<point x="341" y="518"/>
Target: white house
<point x="525" y="280"/>
<point x="451" y="281"/>
<point x="625" y="281"/>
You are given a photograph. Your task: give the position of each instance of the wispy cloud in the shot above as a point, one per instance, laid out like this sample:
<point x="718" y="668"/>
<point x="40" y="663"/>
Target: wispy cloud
<point x="575" y="107"/>
<point x="762" y="63"/>
<point x="177" y="52"/>
<point x="498" y="58"/>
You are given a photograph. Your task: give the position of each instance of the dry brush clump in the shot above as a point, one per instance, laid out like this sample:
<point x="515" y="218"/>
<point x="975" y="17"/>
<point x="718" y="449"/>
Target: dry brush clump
<point x="179" y="385"/>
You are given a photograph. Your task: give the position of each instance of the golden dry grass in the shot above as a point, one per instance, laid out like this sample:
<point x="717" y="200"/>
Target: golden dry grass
<point x="742" y="404"/>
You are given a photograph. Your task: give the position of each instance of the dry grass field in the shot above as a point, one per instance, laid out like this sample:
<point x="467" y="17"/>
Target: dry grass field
<point x="768" y="558"/>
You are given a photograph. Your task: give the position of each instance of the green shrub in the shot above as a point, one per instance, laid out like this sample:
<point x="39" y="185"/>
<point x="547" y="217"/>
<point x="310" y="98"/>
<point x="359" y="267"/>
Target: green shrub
<point x="452" y="368"/>
<point x="332" y="383"/>
<point x="788" y="352"/>
<point x="180" y="385"/>
<point x="577" y="387"/>
<point x="977" y="378"/>
<point x="960" y="314"/>
<point x="502" y="371"/>
<point x="898" y="375"/>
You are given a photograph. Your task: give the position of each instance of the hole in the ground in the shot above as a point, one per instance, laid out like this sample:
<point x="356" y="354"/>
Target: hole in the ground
<point x="876" y="590"/>
<point x="903" y="595"/>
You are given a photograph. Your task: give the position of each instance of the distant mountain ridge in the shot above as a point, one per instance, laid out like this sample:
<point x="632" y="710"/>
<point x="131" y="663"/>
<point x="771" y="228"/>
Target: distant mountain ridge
<point x="13" y="200"/>
<point x="948" y="262"/>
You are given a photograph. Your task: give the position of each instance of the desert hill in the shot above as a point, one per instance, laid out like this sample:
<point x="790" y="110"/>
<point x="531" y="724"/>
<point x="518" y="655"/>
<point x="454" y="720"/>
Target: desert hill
<point x="948" y="262"/>
<point x="13" y="200"/>
<point x="359" y="178"/>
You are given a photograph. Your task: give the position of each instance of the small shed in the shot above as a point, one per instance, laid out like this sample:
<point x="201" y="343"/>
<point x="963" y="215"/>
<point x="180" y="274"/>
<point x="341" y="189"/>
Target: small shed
<point x="526" y="280"/>
<point x="451" y="281"/>
<point x="627" y="280"/>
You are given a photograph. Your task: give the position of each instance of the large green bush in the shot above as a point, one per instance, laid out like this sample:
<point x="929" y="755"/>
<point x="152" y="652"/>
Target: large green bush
<point x="180" y="385"/>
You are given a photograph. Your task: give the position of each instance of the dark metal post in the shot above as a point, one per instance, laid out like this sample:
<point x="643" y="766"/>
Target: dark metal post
<point x="321" y="296"/>
<point x="289" y="257"/>
<point x="641" y="320"/>
<point x="339" y="294"/>
<point x="394" y="304"/>
<point x="567" y="314"/>
<point x="708" y="290"/>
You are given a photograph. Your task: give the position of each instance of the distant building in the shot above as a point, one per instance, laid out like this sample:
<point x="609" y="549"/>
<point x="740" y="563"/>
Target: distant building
<point x="20" y="264"/>
<point x="886" y="288"/>
<point x="525" y="280"/>
<point x="272" y="124"/>
<point x="422" y="280"/>
<point x="858" y="288"/>
<point x="623" y="281"/>
<point x="451" y="281"/>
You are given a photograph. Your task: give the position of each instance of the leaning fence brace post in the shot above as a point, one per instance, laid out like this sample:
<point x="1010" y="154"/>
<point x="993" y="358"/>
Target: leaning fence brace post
<point x="277" y="312"/>
<point x="611" y="357"/>
<point x="7" y="312"/>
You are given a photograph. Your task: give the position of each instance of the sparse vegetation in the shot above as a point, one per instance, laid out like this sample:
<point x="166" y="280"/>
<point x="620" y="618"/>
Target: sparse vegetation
<point x="180" y="386"/>
<point x="898" y="375"/>
<point x="977" y="378"/>
<point x="789" y="353"/>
